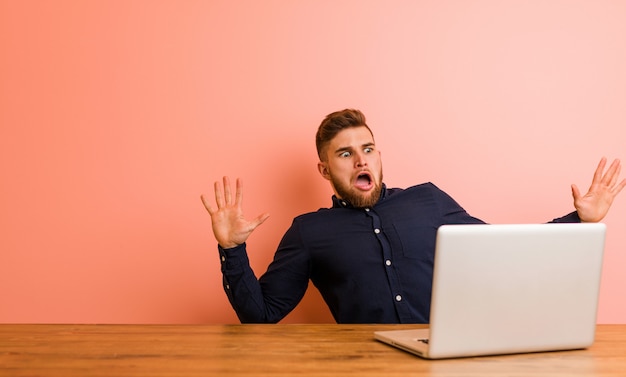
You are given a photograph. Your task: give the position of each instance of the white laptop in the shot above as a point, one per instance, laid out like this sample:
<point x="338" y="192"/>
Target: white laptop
<point x="501" y="289"/>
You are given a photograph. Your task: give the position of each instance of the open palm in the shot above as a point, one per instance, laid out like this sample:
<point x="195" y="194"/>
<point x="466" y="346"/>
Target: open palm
<point x="594" y="205"/>
<point x="229" y="225"/>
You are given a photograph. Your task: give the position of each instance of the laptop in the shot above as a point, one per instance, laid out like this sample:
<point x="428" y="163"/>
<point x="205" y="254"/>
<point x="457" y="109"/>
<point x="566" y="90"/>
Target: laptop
<point x="514" y="288"/>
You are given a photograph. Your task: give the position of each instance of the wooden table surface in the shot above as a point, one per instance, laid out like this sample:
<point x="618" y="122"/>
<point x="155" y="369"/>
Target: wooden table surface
<point x="270" y="350"/>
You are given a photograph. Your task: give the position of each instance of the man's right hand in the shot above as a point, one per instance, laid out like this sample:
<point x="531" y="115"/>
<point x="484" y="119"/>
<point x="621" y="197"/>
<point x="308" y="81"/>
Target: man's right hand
<point x="229" y="226"/>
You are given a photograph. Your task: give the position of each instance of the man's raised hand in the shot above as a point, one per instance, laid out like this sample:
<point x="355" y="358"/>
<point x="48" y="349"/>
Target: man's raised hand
<point x="229" y="226"/>
<point x="594" y="205"/>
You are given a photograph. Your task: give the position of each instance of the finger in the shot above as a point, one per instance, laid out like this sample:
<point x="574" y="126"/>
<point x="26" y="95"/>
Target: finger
<point x="610" y="173"/>
<point x="239" y="192"/>
<point x="219" y="195"/>
<point x="615" y="176"/>
<point x="207" y="205"/>
<point x="227" y="196"/>
<point x="619" y="187"/>
<point x="597" y="176"/>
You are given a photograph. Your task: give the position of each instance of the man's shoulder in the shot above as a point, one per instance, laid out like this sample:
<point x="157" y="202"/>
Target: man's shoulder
<point x="314" y="214"/>
<point x="422" y="193"/>
<point x="322" y="219"/>
<point x="419" y="188"/>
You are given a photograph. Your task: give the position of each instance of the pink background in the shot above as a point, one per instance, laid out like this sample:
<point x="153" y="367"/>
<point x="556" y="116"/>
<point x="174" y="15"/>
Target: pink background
<point x="116" y="115"/>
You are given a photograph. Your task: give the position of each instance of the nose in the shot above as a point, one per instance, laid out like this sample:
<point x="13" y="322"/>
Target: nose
<point x="360" y="160"/>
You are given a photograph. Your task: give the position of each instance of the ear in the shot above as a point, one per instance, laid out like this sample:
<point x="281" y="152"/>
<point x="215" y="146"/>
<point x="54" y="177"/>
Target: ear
<point x="322" y="167"/>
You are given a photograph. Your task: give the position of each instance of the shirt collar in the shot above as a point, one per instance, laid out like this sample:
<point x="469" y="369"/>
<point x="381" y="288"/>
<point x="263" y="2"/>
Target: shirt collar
<point x="342" y="203"/>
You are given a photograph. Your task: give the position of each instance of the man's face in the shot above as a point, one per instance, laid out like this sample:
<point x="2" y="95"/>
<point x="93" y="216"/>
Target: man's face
<point x="353" y="167"/>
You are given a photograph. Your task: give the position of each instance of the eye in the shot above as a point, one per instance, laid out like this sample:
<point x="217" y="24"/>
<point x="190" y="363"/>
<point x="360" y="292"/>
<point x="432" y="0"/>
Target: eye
<point x="344" y="154"/>
<point x="368" y="150"/>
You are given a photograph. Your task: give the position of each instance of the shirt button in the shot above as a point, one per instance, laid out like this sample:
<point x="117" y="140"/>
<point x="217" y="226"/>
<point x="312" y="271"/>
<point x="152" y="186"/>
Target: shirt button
<point x="223" y="258"/>
<point x="388" y="262"/>
<point x="398" y="298"/>
<point x="367" y="209"/>
<point x="344" y="204"/>
<point x="376" y="230"/>
<point x="227" y="286"/>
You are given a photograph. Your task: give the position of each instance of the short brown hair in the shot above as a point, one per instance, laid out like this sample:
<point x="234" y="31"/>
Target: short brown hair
<point x="335" y="123"/>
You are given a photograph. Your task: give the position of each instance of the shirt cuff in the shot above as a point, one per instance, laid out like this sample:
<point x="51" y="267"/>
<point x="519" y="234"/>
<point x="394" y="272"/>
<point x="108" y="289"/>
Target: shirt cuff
<point x="569" y="218"/>
<point x="233" y="257"/>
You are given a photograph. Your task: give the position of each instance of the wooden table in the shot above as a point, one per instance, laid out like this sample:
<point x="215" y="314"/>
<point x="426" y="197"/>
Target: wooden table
<point x="270" y="350"/>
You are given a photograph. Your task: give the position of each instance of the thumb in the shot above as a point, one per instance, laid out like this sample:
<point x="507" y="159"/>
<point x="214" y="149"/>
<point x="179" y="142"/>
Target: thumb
<point x="575" y="192"/>
<point x="259" y="220"/>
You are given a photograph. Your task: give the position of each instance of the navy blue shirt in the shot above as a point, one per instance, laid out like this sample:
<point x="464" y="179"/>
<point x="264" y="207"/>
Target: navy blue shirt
<point x="371" y="265"/>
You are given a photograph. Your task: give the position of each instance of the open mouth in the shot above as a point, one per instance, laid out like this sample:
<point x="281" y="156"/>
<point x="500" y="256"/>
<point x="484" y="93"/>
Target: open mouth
<point x="363" y="181"/>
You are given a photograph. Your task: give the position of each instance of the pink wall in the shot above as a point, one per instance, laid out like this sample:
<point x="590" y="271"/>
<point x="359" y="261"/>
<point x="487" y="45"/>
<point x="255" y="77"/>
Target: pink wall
<point x="116" y="115"/>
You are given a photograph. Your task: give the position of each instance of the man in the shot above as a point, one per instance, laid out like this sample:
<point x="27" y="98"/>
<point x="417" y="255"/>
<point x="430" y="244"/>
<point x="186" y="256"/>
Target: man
<point x="371" y="254"/>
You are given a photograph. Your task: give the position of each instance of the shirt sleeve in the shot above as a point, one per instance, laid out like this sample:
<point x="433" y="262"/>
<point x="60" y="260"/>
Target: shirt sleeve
<point x="453" y="213"/>
<point x="271" y="297"/>
<point x="569" y="218"/>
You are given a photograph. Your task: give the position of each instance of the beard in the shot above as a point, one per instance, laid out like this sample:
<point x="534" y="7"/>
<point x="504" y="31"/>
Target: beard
<point x="354" y="196"/>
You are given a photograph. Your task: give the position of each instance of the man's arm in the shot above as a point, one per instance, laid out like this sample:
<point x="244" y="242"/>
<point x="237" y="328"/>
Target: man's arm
<point x="272" y="297"/>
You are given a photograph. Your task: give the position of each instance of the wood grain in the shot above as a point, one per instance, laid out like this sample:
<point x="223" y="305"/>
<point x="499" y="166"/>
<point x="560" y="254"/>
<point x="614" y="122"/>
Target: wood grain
<point x="270" y="350"/>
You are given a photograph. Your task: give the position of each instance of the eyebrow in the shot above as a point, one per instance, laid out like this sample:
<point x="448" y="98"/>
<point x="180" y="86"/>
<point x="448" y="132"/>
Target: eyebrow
<point x="344" y="149"/>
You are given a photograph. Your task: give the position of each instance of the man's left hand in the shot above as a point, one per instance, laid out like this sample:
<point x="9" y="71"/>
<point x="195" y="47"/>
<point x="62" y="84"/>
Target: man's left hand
<point x="594" y="205"/>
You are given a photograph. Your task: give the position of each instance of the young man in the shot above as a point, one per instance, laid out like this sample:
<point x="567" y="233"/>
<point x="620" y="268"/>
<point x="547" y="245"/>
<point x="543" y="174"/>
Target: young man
<point x="371" y="254"/>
